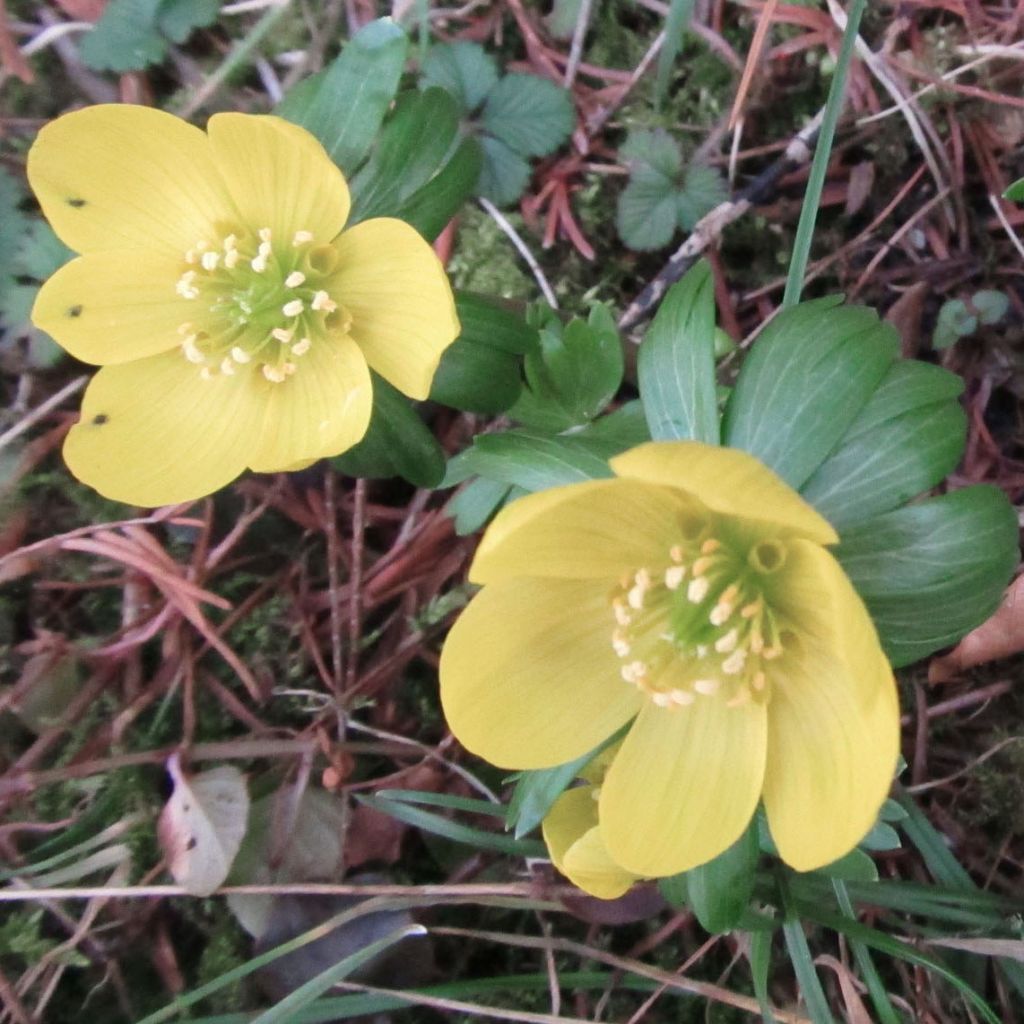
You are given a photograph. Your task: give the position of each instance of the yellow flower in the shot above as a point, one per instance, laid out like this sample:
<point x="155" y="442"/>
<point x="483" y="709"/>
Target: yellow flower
<point x="574" y="840"/>
<point x="693" y="596"/>
<point x="234" y="319"/>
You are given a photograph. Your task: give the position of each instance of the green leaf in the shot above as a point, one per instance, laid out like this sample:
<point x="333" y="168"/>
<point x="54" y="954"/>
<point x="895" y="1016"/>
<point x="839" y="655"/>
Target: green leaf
<point x="907" y="438"/>
<point x="345" y="107"/>
<point x="529" y="114"/>
<point x="430" y="208"/>
<point x="504" y="174"/>
<point x="396" y="443"/>
<point x="564" y="15"/>
<point x="676" y="362"/>
<point x="177" y="19"/>
<point x="125" y="38"/>
<point x="931" y="572"/>
<point x="1015" y="192"/>
<point x="463" y="69"/>
<point x="476" y="503"/>
<point x="673" y="888"/>
<point x="412" y="148"/>
<point x="679" y="14"/>
<point x="720" y="891"/>
<point x="41" y="252"/>
<point x="881" y="838"/>
<point x="856" y="866"/>
<point x="990" y="305"/>
<point x="803" y="966"/>
<point x="479" y="373"/>
<point x="804" y="384"/>
<point x="572" y="374"/>
<point x="955" y="321"/>
<point x="760" y="966"/>
<point x="13" y="223"/>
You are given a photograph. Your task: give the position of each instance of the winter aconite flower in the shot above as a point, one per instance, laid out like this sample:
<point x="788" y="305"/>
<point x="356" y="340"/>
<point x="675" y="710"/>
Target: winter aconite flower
<point x="693" y="597"/>
<point x="234" y="320"/>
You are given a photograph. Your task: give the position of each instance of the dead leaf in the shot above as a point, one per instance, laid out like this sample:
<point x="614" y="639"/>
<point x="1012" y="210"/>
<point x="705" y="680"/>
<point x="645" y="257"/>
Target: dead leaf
<point x="856" y="1012"/>
<point x="1010" y="949"/>
<point x="862" y="180"/>
<point x="641" y="903"/>
<point x="999" y="637"/>
<point x="202" y="825"/>
<point x="905" y="315"/>
<point x="83" y="10"/>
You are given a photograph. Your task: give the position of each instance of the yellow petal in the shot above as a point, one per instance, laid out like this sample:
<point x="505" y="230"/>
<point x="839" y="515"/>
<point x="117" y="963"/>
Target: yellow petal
<point x="112" y="307"/>
<point x="577" y="850"/>
<point x="403" y="312"/>
<point x="153" y="433"/>
<point x="528" y="675"/>
<point x="279" y="176"/>
<point x="728" y="481"/>
<point x="597" y="529"/>
<point x="684" y="785"/>
<point x="833" y="720"/>
<point x="116" y="176"/>
<point x="322" y="409"/>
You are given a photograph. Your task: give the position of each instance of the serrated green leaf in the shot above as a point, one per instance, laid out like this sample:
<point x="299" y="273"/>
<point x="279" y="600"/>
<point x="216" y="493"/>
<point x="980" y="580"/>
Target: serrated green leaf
<point x="413" y="147"/>
<point x="804" y="384"/>
<point x="126" y="38"/>
<point x="1015" y="193"/>
<point x="931" y="572"/>
<point x="177" y="19"/>
<point x="504" y="174"/>
<point x="646" y="215"/>
<point x="572" y="374"/>
<point x="431" y="207"/>
<point x="703" y="190"/>
<point x="654" y="149"/>
<point x="396" y="444"/>
<point x="476" y="503"/>
<point x="529" y="114"/>
<point x="676" y="362"/>
<point x="907" y="438"/>
<point x="345" y="106"/>
<point x="463" y="69"/>
<point x="720" y="891"/>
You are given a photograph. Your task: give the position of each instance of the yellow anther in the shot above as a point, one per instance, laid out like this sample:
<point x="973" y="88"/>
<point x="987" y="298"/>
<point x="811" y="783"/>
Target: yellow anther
<point x="756" y="641"/>
<point x="698" y="589"/>
<point x="676" y="553"/>
<point x="190" y="256"/>
<point x="227" y="367"/>
<point x="301" y="347"/>
<point x="642" y="583"/>
<point x="240" y="355"/>
<point x="293" y="308"/>
<point x="621" y="612"/>
<point x="707" y="687"/>
<point x="191" y="350"/>
<point x="674" y="576"/>
<point x="273" y="374"/>
<point x="682" y="697"/>
<point x="210" y="259"/>
<point x="294" y="279"/>
<point x="634" y="672"/>
<point x="282" y="334"/>
<point x="185" y="328"/>
<point x="702" y="565"/>
<point x="264" y="234"/>
<point x="202" y="245"/>
<point x="748" y="611"/>
<point x="661" y="699"/>
<point x="205" y="374"/>
<point x="733" y="665"/>
<point x="759" y="681"/>
<point x="231" y="258"/>
<point x="727" y="643"/>
<point x="703" y="650"/>
<point x="230" y="243"/>
<point x="721" y="612"/>
<point x="287" y="369"/>
<point x="710" y="545"/>
<point x="321" y="300"/>
<point x="301" y="237"/>
<point x="620" y="643"/>
<point x="771" y="653"/>
<point x="258" y="263"/>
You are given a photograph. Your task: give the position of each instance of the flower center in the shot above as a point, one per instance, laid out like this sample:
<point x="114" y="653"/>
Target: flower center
<point x="699" y="624"/>
<point x="259" y="300"/>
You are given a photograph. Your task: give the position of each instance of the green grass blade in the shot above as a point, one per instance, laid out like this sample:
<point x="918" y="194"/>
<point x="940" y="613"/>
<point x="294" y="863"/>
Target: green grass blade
<point x="760" y="964"/>
<point x="679" y="14"/>
<point x="822" y="151"/>
<point x="803" y="961"/>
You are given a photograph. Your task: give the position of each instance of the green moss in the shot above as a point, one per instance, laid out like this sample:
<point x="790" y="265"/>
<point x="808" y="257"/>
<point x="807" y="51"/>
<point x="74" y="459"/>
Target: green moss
<point x="485" y="260"/>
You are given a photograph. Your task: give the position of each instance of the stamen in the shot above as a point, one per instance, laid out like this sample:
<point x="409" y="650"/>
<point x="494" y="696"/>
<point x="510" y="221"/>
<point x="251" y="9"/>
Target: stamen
<point x="682" y="697"/>
<point x="287" y="369"/>
<point x="662" y="700"/>
<point x="190" y="256"/>
<point x="301" y="237"/>
<point x="185" y="288"/>
<point x="698" y="589"/>
<point x="191" y="350"/>
<point x="742" y="697"/>
<point x="282" y="334"/>
<point x="675" y="553"/>
<point x="273" y="374"/>
<point x="756" y="643"/>
<point x="709" y="546"/>
<point x="202" y="245"/>
<point x="759" y="681"/>
<point x="321" y="300"/>
<point x="227" y="367"/>
<point x="293" y="308"/>
<point x="642" y="581"/>
<point x="724" y="607"/>
<point x="727" y="643"/>
<point x="205" y="373"/>
<point x="674" y="576"/>
<point x="230" y="243"/>
<point x="772" y="653"/>
<point x="258" y="263"/>
<point x="264" y="234"/>
<point x="748" y="611"/>
<point x="301" y="347"/>
<point x="733" y="665"/>
<point x="707" y="687"/>
<point x="620" y="643"/>
<point x="231" y="258"/>
<point x="702" y="565"/>
<point x="185" y="328"/>
<point x="634" y="672"/>
<point x="240" y="355"/>
<point x="619" y="610"/>
<point x="294" y="279"/>
<point x="210" y="259"/>
<point x="702" y="650"/>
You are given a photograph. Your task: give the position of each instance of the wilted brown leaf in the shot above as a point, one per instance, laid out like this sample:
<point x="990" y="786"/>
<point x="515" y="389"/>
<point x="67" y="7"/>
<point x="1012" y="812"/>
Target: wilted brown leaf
<point x="999" y="637"/>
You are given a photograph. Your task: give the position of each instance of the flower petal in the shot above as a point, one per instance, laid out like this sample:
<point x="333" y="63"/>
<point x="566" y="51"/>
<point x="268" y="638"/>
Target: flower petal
<point x="279" y="176"/>
<point x="596" y="529"/>
<point x="577" y="850"/>
<point x="153" y="433"/>
<point x="684" y="785"/>
<point x="403" y="312"/>
<point x="322" y="409"/>
<point x="112" y="307"/>
<point x="728" y="481"/>
<point x="833" y="720"/>
<point x="116" y="175"/>
<point x="528" y="676"/>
